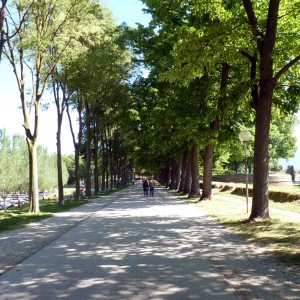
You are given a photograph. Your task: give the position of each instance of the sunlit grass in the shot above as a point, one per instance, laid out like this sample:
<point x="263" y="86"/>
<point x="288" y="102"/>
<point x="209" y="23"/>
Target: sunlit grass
<point x="288" y="206"/>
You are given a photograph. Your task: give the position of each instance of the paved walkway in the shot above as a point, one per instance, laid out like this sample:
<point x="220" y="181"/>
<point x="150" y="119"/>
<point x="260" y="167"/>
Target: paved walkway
<point x="125" y="246"/>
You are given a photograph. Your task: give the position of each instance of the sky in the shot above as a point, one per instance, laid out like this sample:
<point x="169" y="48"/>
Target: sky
<point x="129" y="11"/>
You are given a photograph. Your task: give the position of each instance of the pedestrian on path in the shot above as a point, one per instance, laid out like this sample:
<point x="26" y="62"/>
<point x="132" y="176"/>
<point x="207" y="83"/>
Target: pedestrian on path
<point x="146" y="186"/>
<point x="152" y="185"/>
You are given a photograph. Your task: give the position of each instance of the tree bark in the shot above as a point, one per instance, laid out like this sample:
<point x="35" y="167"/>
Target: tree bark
<point x="265" y="40"/>
<point x="183" y="171"/>
<point x="111" y="167"/>
<point x="95" y="157"/>
<point x="77" y="171"/>
<point x="174" y="174"/>
<point x="31" y="137"/>
<point x="260" y="202"/>
<point x="103" y="166"/>
<point x="60" y="105"/>
<point x="77" y="144"/>
<point x="168" y="174"/>
<point x="195" y="185"/>
<point x="107" y="160"/>
<point x="33" y="177"/>
<point x="161" y="177"/>
<point x="207" y="173"/>
<point x="59" y="164"/>
<point x="188" y="176"/>
<point x="88" y="183"/>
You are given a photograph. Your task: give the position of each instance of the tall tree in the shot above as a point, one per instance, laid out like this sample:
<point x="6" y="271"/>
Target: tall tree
<point x="269" y="37"/>
<point x="42" y="27"/>
<point x="271" y="28"/>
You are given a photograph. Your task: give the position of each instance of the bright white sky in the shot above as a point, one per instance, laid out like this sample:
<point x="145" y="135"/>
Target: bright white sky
<point x="129" y="11"/>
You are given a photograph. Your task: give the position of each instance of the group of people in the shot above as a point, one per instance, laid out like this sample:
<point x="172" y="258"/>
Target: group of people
<point x="148" y="184"/>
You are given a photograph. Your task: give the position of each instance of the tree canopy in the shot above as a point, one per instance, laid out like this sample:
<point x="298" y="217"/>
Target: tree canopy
<point x="169" y="98"/>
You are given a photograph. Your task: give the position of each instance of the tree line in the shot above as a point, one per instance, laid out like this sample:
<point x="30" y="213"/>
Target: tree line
<point x="74" y="50"/>
<point x="216" y="67"/>
<point x="14" y="166"/>
<point x="166" y="99"/>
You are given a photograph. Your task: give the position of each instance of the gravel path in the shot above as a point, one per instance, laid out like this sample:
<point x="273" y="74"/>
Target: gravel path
<point x="246" y="269"/>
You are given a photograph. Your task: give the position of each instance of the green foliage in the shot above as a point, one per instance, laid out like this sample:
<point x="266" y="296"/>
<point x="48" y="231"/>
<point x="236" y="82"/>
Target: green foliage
<point x="14" y="166"/>
<point x="282" y="141"/>
<point x="185" y="45"/>
<point x="47" y="170"/>
<point x="13" y="163"/>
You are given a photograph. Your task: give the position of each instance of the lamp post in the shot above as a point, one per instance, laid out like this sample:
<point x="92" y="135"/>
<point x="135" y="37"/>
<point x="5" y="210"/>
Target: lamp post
<point x="133" y="176"/>
<point x="92" y="177"/>
<point x="245" y="136"/>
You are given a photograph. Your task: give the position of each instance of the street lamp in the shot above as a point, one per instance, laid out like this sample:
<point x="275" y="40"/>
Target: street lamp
<point x="133" y="176"/>
<point x="245" y="136"/>
<point x="92" y="177"/>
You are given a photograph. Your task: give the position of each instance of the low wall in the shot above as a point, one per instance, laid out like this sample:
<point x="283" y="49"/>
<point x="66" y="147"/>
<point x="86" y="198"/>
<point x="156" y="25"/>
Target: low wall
<point x="274" y="179"/>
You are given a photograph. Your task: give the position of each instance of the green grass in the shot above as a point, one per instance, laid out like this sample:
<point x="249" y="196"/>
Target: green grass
<point x="292" y="189"/>
<point x="288" y="206"/>
<point x="279" y="235"/>
<point x="18" y="217"/>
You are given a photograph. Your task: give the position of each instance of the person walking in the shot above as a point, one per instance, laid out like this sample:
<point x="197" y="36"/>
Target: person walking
<point x="146" y="186"/>
<point x="152" y="185"/>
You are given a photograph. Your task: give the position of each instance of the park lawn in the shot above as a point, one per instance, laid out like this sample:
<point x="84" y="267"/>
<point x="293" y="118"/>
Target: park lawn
<point x="288" y="206"/>
<point x="278" y="235"/>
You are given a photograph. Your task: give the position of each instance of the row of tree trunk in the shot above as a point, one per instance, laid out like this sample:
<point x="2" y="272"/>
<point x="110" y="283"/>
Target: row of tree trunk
<point x="182" y="176"/>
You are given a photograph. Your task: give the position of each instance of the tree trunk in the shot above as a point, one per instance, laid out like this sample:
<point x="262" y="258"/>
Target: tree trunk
<point x="265" y="39"/>
<point x="168" y="174"/>
<point x="174" y="174"/>
<point x="111" y="169"/>
<point x="183" y="171"/>
<point x="32" y="151"/>
<point x="107" y="160"/>
<point x="59" y="163"/>
<point x="188" y="176"/>
<point x="60" y="106"/>
<point x="162" y="176"/>
<point x="177" y="176"/>
<point x="77" y="172"/>
<point x="103" y="166"/>
<point x="95" y="156"/>
<point x="195" y="185"/>
<point x="207" y="173"/>
<point x="77" y="145"/>
<point x="260" y="202"/>
<point x="33" y="178"/>
<point x="88" y="186"/>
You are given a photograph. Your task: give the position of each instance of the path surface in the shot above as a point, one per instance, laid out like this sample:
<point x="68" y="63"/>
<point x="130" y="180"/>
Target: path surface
<point x="125" y="246"/>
